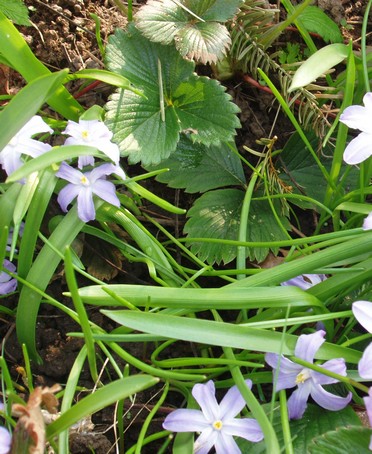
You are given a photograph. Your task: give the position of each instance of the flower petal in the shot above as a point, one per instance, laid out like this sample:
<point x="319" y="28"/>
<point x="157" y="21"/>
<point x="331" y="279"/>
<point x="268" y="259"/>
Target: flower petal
<point x="359" y="149"/>
<point x="288" y="371"/>
<point x="233" y="402"/>
<point x="297" y="403"/>
<point x="357" y="117"/>
<point x="204" y="394"/>
<point x="367" y="223"/>
<point x="336" y="365"/>
<point x="185" y="420"/>
<point x="368" y="404"/>
<point x="66" y="195"/>
<point x="84" y="161"/>
<point x="305" y="281"/>
<point x="327" y="400"/>
<point x="33" y="148"/>
<point x="34" y="126"/>
<point x="5" y="441"/>
<point x="10" y="160"/>
<point x="85" y="205"/>
<point x="106" y="191"/>
<point x="226" y="444"/>
<point x="206" y="440"/>
<point x="365" y="363"/>
<point x="247" y="428"/>
<point x="308" y="344"/>
<point x="362" y="311"/>
<point x="70" y="174"/>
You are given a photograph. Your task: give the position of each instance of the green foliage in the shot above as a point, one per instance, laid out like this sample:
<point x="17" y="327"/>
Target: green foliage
<point x="193" y="26"/>
<point x="216" y="214"/>
<point x="315" y="20"/>
<point x="301" y="172"/>
<point x="312" y="427"/>
<point x="148" y="129"/>
<point x="342" y="440"/>
<point x="16" y="11"/>
<point x="197" y="168"/>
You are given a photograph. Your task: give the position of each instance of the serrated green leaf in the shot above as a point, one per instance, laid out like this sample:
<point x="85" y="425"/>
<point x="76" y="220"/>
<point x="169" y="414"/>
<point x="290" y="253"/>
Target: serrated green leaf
<point x="316" y="20"/>
<point x="318" y="64"/>
<point x="190" y="101"/>
<point x="16" y="11"/>
<point x="216" y="214"/>
<point x="197" y="168"/>
<point x="344" y="440"/>
<point x="302" y="173"/>
<point x="316" y="421"/>
<point x="214" y="10"/>
<point x="206" y="42"/>
<point x="197" y="36"/>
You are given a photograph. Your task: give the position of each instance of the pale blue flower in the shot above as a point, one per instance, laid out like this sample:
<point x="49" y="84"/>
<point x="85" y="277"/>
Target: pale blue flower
<point x="22" y="143"/>
<point x="359" y="117"/>
<point x="362" y="311"/>
<point x="93" y="133"/>
<point x="308" y="382"/>
<point x="85" y="185"/>
<point x="5" y="441"/>
<point x="305" y="281"/>
<point x="215" y="422"/>
<point x="8" y="284"/>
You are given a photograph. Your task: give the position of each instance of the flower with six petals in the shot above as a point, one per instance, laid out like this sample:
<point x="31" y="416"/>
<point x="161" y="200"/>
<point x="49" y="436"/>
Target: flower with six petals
<point x="216" y="422"/>
<point x="85" y="185"/>
<point x="308" y="381"/>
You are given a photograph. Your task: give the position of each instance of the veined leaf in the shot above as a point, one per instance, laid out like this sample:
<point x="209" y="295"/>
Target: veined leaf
<point x="303" y="174"/>
<point x="16" y="11"/>
<point x="216" y="214"/>
<point x="197" y="168"/>
<point x="316" y="20"/>
<point x="192" y="24"/>
<point x="305" y="432"/>
<point x="343" y="440"/>
<point x="148" y="129"/>
<point x="318" y="64"/>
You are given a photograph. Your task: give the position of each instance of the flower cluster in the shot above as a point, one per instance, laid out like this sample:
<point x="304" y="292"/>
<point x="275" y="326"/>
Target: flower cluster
<point x="81" y="185"/>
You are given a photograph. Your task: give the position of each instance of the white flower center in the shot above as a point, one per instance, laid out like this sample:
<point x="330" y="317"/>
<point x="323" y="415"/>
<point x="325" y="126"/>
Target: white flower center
<point x="303" y="376"/>
<point x="217" y="425"/>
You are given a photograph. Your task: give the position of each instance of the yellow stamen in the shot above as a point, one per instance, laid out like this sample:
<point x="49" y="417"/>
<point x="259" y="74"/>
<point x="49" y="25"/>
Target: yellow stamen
<point x="217" y="425"/>
<point x="84" y="179"/>
<point x="85" y="135"/>
<point x="302" y="376"/>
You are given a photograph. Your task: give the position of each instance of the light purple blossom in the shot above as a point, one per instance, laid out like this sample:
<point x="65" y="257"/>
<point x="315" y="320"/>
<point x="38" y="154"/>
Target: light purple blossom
<point x="216" y="422"/>
<point x="359" y="117"/>
<point x="85" y="185"/>
<point x="308" y="381"/>
<point x="22" y="143"/>
<point x="305" y="281"/>
<point x="362" y="311"/>
<point x="95" y="134"/>
<point x="368" y="404"/>
<point x="367" y="223"/>
<point x="5" y="440"/>
<point x="8" y="284"/>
